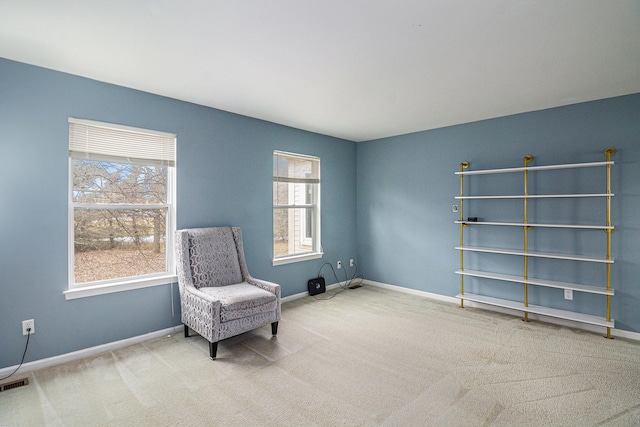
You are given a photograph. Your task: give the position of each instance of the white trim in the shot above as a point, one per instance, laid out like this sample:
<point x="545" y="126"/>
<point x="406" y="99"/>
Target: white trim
<point x="109" y="288"/>
<point x="297" y="258"/>
<point x="410" y="291"/>
<point x="88" y="352"/>
<point x="635" y="336"/>
<point x="71" y="253"/>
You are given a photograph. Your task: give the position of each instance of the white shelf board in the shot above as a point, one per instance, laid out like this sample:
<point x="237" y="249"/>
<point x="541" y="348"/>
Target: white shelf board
<point x="535" y="196"/>
<point x="535" y="168"/>
<point x="536" y="309"/>
<point x="522" y="224"/>
<point x="537" y="282"/>
<point x="536" y="254"/>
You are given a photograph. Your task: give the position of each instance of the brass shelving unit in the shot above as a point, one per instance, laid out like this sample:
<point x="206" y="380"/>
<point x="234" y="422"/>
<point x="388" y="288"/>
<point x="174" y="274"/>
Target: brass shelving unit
<point x="526" y="253"/>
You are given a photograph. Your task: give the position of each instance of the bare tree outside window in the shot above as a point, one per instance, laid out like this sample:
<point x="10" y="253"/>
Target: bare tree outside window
<point x="120" y="215"/>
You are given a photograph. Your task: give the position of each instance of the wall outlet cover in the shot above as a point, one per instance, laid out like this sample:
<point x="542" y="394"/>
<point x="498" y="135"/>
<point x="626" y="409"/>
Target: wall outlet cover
<point x="568" y="294"/>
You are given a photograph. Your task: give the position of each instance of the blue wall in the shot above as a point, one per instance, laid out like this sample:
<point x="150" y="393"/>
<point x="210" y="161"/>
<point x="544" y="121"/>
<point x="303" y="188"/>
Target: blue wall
<point x="224" y="177"/>
<point x="406" y="187"/>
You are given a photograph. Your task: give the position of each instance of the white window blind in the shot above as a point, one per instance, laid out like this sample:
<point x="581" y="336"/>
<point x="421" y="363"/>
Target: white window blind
<point x="109" y="142"/>
<point x="295" y="168"/>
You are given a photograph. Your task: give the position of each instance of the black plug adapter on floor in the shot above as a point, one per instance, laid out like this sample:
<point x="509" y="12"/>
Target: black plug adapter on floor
<point x="316" y="286"/>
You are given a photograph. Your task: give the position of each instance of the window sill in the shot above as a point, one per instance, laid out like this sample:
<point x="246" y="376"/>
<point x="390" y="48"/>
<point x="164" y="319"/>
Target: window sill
<point x="90" y="291"/>
<point x="297" y="258"/>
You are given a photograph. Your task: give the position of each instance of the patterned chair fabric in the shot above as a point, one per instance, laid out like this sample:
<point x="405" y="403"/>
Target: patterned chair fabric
<point x="218" y="297"/>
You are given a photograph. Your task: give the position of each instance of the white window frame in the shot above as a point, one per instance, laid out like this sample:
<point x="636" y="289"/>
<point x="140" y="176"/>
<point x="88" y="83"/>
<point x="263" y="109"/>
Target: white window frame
<point x="106" y="150"/>
<point x="316" y="245"/>
<point x="304" y="239"/>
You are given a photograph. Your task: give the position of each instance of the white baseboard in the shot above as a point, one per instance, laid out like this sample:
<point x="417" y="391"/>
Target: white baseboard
<point x="410" y="291"/>
<point x="88" y="352"/>
<point x="635" y="336"/>
<point x="93" y="351"/>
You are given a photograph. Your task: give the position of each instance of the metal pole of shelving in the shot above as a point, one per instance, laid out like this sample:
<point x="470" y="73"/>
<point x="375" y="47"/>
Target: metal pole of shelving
<point x="608" y="153"/>
<point x="463" y="165"/>
<point x="527" y="159"/>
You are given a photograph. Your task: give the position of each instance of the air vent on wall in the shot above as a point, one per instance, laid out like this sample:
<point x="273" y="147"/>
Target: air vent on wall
<point x="14" y="384"/>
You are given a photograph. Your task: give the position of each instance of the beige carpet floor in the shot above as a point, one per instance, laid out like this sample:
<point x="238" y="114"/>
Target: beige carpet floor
<point x="367" y="357"/>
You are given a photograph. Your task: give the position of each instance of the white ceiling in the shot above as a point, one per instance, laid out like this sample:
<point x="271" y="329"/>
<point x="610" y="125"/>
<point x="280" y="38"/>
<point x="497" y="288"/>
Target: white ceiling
<point x="355" y="69"/>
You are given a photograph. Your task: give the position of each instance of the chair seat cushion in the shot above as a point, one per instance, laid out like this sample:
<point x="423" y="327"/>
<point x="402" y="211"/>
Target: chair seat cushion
<point x="241" y="300"/>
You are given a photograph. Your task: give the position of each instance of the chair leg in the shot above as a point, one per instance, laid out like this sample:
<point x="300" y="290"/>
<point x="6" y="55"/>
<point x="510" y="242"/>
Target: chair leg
<point x="274" y="328"/>
<point x="186" y="331"/>
<point x="213" y="349"/>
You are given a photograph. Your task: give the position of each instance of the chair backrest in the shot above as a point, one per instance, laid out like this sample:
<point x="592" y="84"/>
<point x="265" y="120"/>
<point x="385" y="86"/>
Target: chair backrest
<point x="209" y="256"/>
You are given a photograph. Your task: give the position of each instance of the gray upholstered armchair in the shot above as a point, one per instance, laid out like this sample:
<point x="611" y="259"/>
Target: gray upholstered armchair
<point x="218" y="297"/>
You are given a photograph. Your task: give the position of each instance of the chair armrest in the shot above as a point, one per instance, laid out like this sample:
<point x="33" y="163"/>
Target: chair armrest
<point x="274" y="288"/>
<point x="202" y="295"/>
<point x="200" y="312"/>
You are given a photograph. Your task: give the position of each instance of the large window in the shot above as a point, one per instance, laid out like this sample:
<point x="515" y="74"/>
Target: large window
<point x="121" y="205"/>
<point x="296" y="207"/>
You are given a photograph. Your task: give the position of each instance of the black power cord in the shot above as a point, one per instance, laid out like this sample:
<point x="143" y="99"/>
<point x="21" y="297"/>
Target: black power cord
<point x="23" y="355"/>
<point x="348" y="283"/>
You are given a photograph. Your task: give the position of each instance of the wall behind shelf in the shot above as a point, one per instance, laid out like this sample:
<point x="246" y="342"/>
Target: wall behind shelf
<point x="406" y="187"/>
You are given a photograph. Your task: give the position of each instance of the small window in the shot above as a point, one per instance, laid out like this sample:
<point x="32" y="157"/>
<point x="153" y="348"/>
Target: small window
<point x="121" y="204"/>
<point x="296" y="207"/>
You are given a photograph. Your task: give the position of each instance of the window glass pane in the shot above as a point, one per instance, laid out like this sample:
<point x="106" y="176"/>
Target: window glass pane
<point x="97" y="181"/>
<point x="293" y="194"/>
<point x="115" y="243"/>
<point x="290" y="231"/>
<point x="280" y="193"/>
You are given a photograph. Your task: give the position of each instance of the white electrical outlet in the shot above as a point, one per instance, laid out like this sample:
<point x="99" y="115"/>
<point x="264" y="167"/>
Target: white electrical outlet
<point x="351" y="263"/>
<point x="455" y="208"/>
<point x="568" y="294"/>
<point x="339" y="264"/>
<point x="28" y="324"/>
